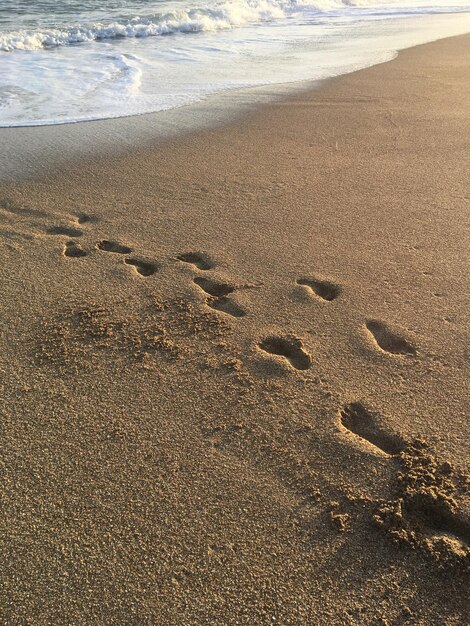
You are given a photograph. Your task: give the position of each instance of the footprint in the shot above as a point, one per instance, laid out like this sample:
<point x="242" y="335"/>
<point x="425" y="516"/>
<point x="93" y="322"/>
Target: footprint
<point x="322" y="288"/>
<point x="113" y="246"/>
<point x="213" y="287"/>
<point x="358" y="420"/>
<point x="68" y="231"/>
<point x="387" y="340"/>
<point x="440" y="522"/>
<point x="429" y="507"/>
<point x="289" y="347"/>
<point x="84" y="218"/>
<point x="74" y="249"/>
<point x="218" y="300"/>
<point x="144" y="268"/>
<point x="225" y="305"/>
<point x="10" y="207"/>
<point x="15" y="235"/>
<point x="199" y="259"/>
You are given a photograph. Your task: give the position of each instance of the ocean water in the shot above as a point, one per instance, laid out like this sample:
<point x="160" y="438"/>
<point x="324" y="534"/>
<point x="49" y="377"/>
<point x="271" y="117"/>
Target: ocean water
<point x="71" y="60"/>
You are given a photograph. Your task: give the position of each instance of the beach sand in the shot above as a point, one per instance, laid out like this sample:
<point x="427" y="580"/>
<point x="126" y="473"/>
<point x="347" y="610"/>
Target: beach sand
<point x="235" y="367"/>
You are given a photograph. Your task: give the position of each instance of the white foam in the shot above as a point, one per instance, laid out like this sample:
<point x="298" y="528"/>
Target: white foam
<point x="125" y="68"/>
<point x="222" y="16"/>
<point x="205" y="19"/>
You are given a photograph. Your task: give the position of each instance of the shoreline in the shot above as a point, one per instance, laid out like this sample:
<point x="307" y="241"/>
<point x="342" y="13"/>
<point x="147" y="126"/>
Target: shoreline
<point x="235" y="366"/>
<point x="37" y="150"/>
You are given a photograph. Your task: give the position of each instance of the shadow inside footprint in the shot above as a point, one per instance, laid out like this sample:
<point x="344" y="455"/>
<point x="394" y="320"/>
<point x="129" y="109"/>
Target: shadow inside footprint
<point x="213" y="287"/>
<point x="388" y="340"/>
<point x="199" y="259"/>
<point x="113" y="246"/>
<point x="322" y="288"/>
<point x="84" y="218"/>
<point x="225" y="305"/>
<point x="65" y="230"/>
<point x="358" y="420"/>
<point x="439" y="519"/>
<point x="289" y="347"/>
<point x="144" y="268"/>
<point x="74" y="249"/>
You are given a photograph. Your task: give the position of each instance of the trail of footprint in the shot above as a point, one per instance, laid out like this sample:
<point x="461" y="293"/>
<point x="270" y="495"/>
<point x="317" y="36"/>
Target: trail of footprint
<point x="387" y="340"/>
<point x="8" y="210"/>
<point x="68" y="231"/>
<point x="198" y="259"/>
<point x="321" y="288"/>
<point x="290" y="348"/>
<point x="144" y="268"/>
<point x="113" y="246"/>
<point x="74" y="249"/>
<point x="366" y="425"/>
<point x="218" y="292"/>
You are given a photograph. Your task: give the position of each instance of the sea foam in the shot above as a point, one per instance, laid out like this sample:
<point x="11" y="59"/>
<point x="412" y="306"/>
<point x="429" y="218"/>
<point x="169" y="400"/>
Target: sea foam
<point x="215" y="17"/>
<point x="101" y="63"/>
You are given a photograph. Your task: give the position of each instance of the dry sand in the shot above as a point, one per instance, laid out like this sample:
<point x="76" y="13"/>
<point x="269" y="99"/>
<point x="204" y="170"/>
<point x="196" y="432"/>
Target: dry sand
<point x="235" y="368"/>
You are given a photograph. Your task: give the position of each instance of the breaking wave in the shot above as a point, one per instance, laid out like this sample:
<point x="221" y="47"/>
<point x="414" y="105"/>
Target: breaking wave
<point x="223" y="16"/>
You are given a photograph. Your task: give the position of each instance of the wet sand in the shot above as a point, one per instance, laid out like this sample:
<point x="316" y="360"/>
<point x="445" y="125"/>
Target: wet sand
<point x="235" y="367"/>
